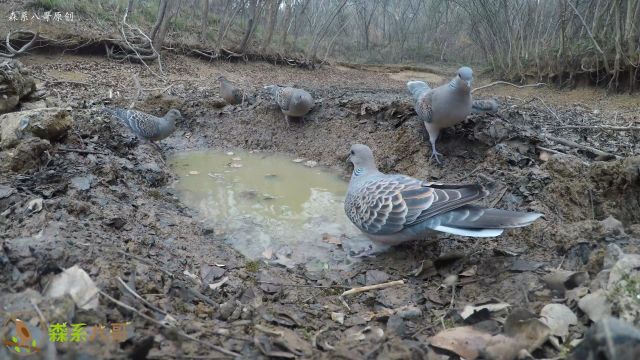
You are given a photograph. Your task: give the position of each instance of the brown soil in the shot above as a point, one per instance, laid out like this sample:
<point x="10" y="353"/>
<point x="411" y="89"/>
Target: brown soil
<point x="129" y="224"/>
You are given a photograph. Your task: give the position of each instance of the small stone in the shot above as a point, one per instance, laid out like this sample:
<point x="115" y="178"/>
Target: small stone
<point x="338" y="317"/>
<point x="82" y="182"/>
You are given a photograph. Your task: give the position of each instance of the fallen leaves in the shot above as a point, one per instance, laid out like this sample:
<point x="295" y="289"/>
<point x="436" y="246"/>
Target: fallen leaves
<point x="78" y="284"/>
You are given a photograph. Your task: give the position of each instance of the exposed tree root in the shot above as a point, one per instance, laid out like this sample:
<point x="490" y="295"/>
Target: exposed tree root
<point x="12" y="51"/>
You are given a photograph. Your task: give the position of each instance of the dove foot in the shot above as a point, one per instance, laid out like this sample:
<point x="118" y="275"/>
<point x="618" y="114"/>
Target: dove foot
<point x="133" y="142"/>
<point x="367" y="252"/>
<point x="435" y="154"/>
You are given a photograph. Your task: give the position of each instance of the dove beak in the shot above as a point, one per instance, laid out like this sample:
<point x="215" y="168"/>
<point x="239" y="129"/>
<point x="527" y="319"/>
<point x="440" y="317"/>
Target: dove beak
<point x="349" y="158"/>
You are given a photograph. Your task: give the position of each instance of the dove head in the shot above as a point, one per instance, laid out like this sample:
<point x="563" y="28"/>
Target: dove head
<point x="221" y="78"/>
<point x="173" y="115"/>
<point x="463" y="78"/>
<point x="362" y="158"/>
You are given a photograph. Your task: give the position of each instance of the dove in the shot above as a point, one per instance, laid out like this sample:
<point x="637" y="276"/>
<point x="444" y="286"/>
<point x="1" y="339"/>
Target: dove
<point x="444" y="106"/>
<point x="484" y="106"/>
<point x="393" y="208"/>
<point x="294" y="103"/>
<point x="146" y="126"/>
<point x="230" y="93"/>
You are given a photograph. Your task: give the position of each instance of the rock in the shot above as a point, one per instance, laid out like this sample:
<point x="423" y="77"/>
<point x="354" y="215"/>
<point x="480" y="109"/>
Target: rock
<point x="612" y="226"/>
<point x="27" y="155"/>
<point x="558" y="318"/>
<point x="152" y="173"/>
<point x="595" y="305"/>
<point x="611" y="257"/>
<point x="40" y="104"/>
<point x="15" y="84"/>
<point x="6" y="191"/>
<point x="609" y="339"/>
<point x="50" y="124"/>
<point x="82" y="182"/>
<point x="11" y="131"/>
<point x="396" y="325"/>
<point x="376" y="277"/>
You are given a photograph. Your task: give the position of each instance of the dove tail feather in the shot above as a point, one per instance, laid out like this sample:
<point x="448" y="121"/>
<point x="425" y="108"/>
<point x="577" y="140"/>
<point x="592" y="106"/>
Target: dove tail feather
<point x="484" y="106"/>
<point x="417" y="88"/>
<point x="120" y="113"/>
<point x="471" y="217"/>
<point x="469" y="232"/>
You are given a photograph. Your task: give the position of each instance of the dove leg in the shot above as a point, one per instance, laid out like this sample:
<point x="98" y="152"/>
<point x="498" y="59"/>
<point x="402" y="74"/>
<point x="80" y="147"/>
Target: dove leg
<point x="159" y="151"/>
<point x="433" y="137"/>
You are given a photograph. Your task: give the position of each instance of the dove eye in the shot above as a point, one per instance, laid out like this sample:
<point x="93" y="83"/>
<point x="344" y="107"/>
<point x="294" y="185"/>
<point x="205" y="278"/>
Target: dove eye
<point x="352" y="152"/>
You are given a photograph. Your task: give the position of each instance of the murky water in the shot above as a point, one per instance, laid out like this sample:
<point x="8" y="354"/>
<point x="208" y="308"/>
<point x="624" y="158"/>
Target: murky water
<point x="267" y="205"/>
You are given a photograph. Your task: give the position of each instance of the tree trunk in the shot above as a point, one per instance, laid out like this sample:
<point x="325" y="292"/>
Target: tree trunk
<point x="322" y="31"/>
<point x="205" y="19"/>
<point x="286" y="23"/>
<point x="163" y="29"/>
<point x="130" y="7"/>
<point x="162" y="9"/>
<point x="271" y="25"/>
<point x="253" y="12"/>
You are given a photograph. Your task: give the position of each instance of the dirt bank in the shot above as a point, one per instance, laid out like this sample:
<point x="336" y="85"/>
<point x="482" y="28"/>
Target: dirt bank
<point x="106" y="207"/>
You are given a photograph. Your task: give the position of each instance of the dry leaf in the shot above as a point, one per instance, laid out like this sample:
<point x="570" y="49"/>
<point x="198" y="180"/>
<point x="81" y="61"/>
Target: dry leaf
<point x="34" y="205"/>
<point x="469" y="310"/>
<point x="470" y="271"/>
<point x="465" y="341"/>
<point x="338" y="317"/>
<point x="218" y="284"/>
<point x="77" y="283"/>
<point x="328" y="238"/>
<point x="558" y="318"/>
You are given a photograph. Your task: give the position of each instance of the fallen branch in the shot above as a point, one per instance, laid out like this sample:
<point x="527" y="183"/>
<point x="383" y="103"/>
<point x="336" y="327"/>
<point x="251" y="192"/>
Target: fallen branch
<point x="601" y="127"/>
<point x="81" y="151"/>
<point x="372" y="287"/>
<point x="137" y="296"/>
<point x="305" y="285"/>
<point x="549" y="150"/>
<point x="161" y="324"/>
<point x="507" y="83"/>
<point x="47" y="82"/>
<point x="580" y="146"/>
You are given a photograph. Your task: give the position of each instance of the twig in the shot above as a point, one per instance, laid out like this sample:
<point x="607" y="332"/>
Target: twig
<point x="67" y="82"/>
<point x="137" y="296"/>
<point x="179" y="332"/>
<point x="580" y="146"/>
<point x="549" y="150"/>
<point x="145" y="261"/>
<point x="372" y="287"/>
<point x="50" y="346"/>
<point x="507" y="83"/>
<point x="81" y="151"/>
<point x="601" y="127"/>
<point x="497" y="200"/>
<point x="548" y="108"/>
<point x="314" y="338"/>
<point x="266" y="330"/>
<point x="306" y="285"/>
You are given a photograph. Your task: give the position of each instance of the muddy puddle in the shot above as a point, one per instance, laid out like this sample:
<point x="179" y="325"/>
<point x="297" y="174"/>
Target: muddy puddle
<point x="269" y="206"/>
